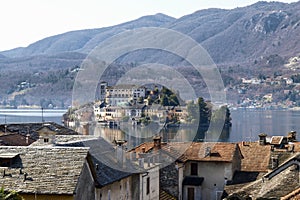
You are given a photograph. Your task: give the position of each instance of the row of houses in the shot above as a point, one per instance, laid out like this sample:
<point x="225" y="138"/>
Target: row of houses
<point x="48" y="161"/>
<point x="137" y="111"/>
<point x="116" y="102"/>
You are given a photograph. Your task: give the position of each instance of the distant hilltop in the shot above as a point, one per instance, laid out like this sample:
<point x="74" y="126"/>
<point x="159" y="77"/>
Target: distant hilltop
<point x="257" y="38"/>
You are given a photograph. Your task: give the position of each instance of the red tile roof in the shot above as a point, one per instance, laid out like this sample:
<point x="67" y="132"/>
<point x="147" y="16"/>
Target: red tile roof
<point x="256" y="156"/>
<point x="212" y="152"/>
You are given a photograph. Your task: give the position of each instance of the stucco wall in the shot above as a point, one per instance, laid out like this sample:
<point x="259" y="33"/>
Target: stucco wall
<point x="213" y="174"/>
<point x="118" y="190"/>
<point x="85" y="186"/>
<point x="153" y="175"/>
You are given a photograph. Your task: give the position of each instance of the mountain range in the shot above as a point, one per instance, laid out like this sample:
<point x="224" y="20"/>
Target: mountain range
<point x="240" y="36"/>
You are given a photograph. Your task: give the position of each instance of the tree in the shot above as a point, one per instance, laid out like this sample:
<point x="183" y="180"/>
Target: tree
<point x="204" y="112"/>
<point x="9" y="195"/>
<point x="222" y="116"/>
<point x="193" y="112"/>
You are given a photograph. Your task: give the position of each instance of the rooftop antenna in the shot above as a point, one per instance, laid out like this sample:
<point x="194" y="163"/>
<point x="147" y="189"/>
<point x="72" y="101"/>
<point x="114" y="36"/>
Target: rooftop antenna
<point x="43" y="115"/>
<point x="5" y="125"/>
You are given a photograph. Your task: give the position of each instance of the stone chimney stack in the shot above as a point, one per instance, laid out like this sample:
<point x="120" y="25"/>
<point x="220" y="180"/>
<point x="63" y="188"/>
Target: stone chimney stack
<point x="27" y="138"/>
<point x="120" y="152"/>
<point x="262" y="139"/>
<point x="85" y="130"/>
<point x="157" y="142"/>
<point x="292" y="136"/>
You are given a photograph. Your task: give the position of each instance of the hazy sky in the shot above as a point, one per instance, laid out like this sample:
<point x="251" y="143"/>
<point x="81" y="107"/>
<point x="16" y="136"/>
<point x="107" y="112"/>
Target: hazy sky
<point x="26" y="21"/>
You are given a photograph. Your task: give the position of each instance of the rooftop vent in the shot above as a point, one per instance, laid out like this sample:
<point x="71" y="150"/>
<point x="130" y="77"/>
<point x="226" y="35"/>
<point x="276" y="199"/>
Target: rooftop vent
<point x="207" y="151"/>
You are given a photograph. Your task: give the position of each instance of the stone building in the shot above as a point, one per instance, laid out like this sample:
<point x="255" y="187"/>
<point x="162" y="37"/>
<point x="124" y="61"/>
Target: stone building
<point x="106" y="175"/>
<point x="42" y="172"/>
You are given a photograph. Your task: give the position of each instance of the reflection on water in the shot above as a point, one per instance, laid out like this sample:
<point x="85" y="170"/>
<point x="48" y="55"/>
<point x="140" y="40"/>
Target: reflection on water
<point x="135" y="135"/>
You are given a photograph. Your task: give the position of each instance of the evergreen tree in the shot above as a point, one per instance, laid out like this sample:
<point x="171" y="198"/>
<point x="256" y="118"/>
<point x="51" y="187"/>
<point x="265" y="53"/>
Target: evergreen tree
<point x="204" y="112"/>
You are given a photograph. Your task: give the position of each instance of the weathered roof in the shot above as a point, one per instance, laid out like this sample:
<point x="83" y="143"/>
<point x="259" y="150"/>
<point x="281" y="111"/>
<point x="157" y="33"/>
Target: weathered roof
<point x="185" y="151"/>
<point x="33" y="129"/>
<point x="102" y="156"/>
<point x="8" y="155"/>
<point x="283" y="182"/>
<point x="15" y="139"/>
<point x="294" y="195"/>
<point x="43" y="170"/>
<point x="276" y="140"/>
<point x="256" y="156"/>
<point x="210" y="152"/>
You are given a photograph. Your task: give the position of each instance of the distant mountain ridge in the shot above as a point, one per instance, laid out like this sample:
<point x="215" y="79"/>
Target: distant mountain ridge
<point x="228" y="35"/>
<point x="261" y="36"/>
<point x="85" y="40"/>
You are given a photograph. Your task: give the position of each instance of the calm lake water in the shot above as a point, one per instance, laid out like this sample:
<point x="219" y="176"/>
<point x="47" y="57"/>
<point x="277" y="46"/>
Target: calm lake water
<point x="246" y="125"/>
<point x="30" y="115"/>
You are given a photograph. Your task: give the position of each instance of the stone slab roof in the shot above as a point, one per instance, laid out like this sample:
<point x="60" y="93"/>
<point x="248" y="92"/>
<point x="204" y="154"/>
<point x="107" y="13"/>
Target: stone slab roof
<point x="42" y="170"/>
<point x="278" y="186"/>
<point x="103" y="162"/>
<point x="33" y="129"/>
<point x="14" y="139"/>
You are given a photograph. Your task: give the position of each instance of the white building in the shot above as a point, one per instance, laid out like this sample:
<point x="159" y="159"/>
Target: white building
<point x="120" y="94"/>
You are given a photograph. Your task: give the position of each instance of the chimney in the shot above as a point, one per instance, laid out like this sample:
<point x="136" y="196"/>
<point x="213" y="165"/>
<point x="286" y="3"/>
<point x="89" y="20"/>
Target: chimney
<point x="120" y="151"/>
<point x="207" y="151"/>
<point x="157" y="142"/>
<point x="85" y="130"/>
<point x="274" y="161"/>
<point x="292" y="136"/>
<point x="27" y="138"/>
<point x="262" y="139"/>
<point x="141" y="162"/>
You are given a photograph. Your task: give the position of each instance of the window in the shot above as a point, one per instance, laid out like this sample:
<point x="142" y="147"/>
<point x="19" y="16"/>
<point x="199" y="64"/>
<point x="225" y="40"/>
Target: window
<point x="194" y="169"/>
<point x="148" y="186"/>
<point x="46" y="140"/>
<point x="190" y="193"/>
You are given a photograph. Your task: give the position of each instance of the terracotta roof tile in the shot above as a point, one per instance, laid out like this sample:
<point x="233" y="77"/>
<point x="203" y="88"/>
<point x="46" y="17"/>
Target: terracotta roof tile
<point x="256" y="156"/>
<point x="221" y="152"/>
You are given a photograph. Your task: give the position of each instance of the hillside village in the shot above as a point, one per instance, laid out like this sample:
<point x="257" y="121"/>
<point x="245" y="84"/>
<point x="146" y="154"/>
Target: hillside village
<point x="50" y="161"/>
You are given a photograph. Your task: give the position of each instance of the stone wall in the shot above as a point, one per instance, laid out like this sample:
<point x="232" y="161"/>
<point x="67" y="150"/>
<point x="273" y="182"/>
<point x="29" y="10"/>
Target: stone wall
<point x="169" y="179"/>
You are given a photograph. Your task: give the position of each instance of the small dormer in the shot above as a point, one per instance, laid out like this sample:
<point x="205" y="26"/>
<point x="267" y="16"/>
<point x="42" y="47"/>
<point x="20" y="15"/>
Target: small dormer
<point x="8" y="159"/>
